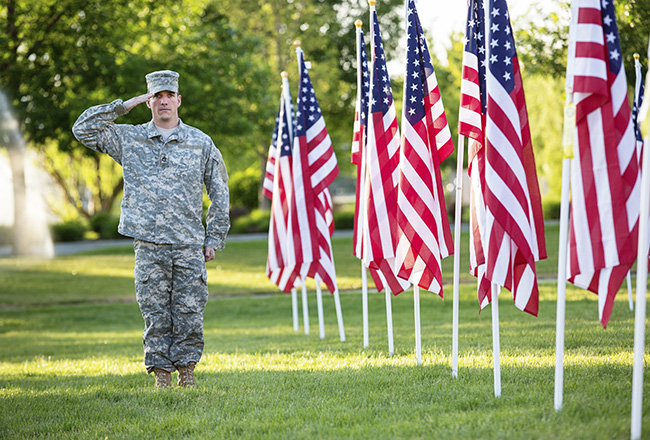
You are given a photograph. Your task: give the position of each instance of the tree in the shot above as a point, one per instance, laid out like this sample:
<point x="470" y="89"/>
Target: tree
<point x="543" y="45"/>
<point x="58" y="57"/>
<point x="327" y="33"/>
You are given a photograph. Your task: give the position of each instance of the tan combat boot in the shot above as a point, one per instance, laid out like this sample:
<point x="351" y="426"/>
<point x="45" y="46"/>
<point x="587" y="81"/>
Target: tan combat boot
<point x="163" y="378"/>
<point x="186" y="375"/>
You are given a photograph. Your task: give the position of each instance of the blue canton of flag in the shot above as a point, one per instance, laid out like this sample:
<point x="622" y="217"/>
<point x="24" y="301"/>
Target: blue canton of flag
<point x="610" y="30"/>
<point x="639" y="91"/>
<point x="365" y="82"/>
<point x="287" y="140"/>
<point x="382" y="98"/>
<point x="274" y="141"/>
<point x="475" y="43"/>
<point x="418" y="67"/>
<point x="502" y="46"/>
<point x="307" y="109"/>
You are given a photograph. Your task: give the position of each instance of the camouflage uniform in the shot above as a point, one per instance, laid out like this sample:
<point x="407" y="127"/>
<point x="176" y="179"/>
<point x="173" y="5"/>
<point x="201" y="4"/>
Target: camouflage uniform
<point x="162" y="210"/>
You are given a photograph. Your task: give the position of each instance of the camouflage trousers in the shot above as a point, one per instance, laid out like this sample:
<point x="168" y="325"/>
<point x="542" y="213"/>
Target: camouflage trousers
<point x="172" y="291"/>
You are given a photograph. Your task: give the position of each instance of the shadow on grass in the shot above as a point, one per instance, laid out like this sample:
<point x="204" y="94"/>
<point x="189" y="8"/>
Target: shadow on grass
<point x="348" y="402"/>
<point x="67" y="372"/>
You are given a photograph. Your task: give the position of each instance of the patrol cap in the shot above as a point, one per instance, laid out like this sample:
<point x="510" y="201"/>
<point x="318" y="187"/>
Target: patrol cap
<point x="162" y="80"/>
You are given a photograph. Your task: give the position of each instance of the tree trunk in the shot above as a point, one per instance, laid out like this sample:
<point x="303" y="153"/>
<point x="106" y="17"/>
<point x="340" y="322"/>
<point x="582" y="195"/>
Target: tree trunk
<point x="29" y="238"/>
<point x="21" y="245"/>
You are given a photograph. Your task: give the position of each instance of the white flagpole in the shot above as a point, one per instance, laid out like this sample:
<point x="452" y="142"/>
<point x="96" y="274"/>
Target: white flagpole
<point x="496" y="344"/>
<point x="637" y="88"/>
<point x="389" y="312"/>
<point x="641" y="280"/>
<point x="339" y="314"/>
<point x="286" y="95"/>
<point x="364" y="274"/>
<point x="459" y="201"/>
<point x="294" y="308"/>
<point x="561" y="283"/>
<point x="418" y="337"/>
<point x="319" y="305"/>
<point x="389" y="321"/>
<point x="642" y="271"/>
<point x="567" y="141"/>
<point x="305" y="307"/>
<point x="629" y="290"/>
<point x="364" y="304"/>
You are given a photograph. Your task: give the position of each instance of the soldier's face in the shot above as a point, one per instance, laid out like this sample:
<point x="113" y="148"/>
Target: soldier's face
<point x="164" y="107"/>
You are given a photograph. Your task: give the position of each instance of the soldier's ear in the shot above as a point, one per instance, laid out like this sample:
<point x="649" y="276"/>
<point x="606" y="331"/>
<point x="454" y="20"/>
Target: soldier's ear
<point x="148" y="103"/>
<point x="179" y="100"/>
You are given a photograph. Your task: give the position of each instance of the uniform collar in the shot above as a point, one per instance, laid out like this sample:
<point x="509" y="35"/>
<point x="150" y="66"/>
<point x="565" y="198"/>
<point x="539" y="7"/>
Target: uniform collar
<point x="177" y="135"/>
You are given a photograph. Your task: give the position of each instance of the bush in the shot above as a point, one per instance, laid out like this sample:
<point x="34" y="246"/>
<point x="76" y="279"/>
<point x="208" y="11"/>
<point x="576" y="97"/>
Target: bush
<point x="105" y="225"/>
<point x="344" y="219"/>
<point x="256" y="221"/>
<point x="72" y="230"/>
<point x="6" y="234"/>
<point x="551" y="210"/>
<point x="244" y="186"/>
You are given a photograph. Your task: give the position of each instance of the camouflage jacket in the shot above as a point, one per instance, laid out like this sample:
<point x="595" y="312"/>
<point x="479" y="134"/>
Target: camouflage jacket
<point x="163" y="180"/>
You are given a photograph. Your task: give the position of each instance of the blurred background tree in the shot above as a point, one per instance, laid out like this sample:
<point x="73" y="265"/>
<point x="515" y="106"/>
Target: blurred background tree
<point x="59" y="57"/>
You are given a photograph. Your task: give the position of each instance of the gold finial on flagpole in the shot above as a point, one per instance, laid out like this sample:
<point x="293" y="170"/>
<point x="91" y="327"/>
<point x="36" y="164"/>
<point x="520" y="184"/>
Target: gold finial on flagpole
<point x="372" y="2"/>
<point x="284" y="74"/>
<point x="358" y="23"/>
<point x="636" y="56"/>
<point x="296" y="43"/>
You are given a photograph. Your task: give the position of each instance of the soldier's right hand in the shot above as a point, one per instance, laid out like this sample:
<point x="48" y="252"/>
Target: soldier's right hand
<point x="136" y="100"/>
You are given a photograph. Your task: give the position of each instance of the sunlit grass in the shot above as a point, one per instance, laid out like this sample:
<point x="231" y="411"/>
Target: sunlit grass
<point x="71" y="360"/>
<point x="107" y="275"/>
<point x="76" y="372"/>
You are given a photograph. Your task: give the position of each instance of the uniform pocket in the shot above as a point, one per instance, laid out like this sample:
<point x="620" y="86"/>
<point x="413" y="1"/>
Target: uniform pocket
<point x="141" y="276"/>
<point x="186" y="163"/>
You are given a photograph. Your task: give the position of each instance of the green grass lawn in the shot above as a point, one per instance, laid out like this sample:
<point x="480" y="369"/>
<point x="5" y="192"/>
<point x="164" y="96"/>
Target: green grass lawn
<point x="107" y="275"/>
<point x="71" y="361"/>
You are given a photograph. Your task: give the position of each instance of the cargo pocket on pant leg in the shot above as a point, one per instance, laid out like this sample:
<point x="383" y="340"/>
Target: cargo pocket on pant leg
<point x="204" y="287"/>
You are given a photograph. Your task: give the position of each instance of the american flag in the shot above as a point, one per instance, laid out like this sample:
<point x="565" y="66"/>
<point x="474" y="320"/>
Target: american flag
<point x="471" y="123"/>
<point x="514" y="224"/>
<point x="605" y="184"/>
<point x="380" y="178"/>
<point x="425" y="235"/>
<point x="269" y="171"/>
<point x="314" y="168"/>
<point x="278" y="174"/>
<point x="359" y="140"/>
<point x="639" y="90"/>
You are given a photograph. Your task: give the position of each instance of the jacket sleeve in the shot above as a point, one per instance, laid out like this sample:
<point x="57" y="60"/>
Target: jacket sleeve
<point x="96" y="130"/>
<point x="218" y="217"/>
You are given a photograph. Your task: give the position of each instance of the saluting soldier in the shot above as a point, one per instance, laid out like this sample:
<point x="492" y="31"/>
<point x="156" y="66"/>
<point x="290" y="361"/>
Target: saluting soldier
<point x="165" y="164"/>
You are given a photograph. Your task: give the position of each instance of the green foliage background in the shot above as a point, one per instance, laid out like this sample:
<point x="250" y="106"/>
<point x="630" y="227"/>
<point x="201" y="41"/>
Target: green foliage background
<point x="59" y="57"/>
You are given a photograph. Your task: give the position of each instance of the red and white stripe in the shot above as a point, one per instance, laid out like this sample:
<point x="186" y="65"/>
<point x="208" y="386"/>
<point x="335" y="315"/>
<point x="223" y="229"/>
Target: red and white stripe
<point x="477" y="221"/>
<point x="425" y="236"/>
<point x="323" y="268"/>
<point x="379" y="231"/>
<point x="605" y="188"/>
<point x="357" y="157"/>
<point x="514" y="224"/>
<point x="269" y="173"/>
<point x="314" y="168"/>
<point x="278" y="168"/>
<point x="471" y="124"/>
<point x="422" y="218"/>
<point x="471" y="121"/>
<point x="380" y="220"/>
